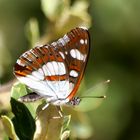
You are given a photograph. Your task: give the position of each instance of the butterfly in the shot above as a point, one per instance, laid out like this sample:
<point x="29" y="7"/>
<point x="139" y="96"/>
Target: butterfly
<point x="54" y="71"/>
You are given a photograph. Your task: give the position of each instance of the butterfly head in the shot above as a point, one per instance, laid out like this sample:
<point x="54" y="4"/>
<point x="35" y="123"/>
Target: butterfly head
<point x="74" y="101"/>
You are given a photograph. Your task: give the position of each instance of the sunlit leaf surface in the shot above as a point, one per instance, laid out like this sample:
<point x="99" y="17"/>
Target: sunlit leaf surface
<point x="9" y="128"/>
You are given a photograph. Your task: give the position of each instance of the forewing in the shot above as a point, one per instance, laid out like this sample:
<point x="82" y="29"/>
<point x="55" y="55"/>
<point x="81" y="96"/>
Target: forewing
<point x="74" y="49"/>
<point x="43" y="70"/>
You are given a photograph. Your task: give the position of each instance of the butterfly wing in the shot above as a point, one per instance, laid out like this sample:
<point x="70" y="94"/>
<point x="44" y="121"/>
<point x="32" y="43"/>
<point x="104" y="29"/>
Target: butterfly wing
<point x="55" y="71"/>
<point x="74" y="48"/>
<point x="43" y="70"/>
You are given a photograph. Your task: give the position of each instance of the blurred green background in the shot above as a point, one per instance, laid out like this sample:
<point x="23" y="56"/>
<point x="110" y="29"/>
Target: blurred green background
<point x="114" y="55"/>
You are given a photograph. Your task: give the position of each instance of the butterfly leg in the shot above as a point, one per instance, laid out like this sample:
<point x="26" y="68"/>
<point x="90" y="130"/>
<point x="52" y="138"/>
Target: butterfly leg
<point x="44" y="107"/>
<point x="60" y="111"/>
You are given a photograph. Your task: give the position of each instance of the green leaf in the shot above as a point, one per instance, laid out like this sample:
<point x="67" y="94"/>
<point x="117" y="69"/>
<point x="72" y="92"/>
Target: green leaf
<point x="23" y="121"/>
<point x="19" y="90"/>
<point x="65" y="133"/>
<point x="66" y="121"/>
<point x="9" y="128"/>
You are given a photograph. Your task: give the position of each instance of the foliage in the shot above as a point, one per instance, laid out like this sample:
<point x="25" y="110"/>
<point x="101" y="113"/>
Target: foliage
<point x="24" y="125"/>
<point x="114" y="55"/>
<point x="31" y="122"/>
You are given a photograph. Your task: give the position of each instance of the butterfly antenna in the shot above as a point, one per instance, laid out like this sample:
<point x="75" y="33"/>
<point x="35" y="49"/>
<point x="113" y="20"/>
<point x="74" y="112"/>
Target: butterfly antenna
<point x="102" y="96"/>
<point x="93" y="96"/>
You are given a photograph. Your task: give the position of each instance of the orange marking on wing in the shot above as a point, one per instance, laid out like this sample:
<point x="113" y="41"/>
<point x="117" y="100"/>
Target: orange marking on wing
<point x="35" y="65"/>
<point x="74" y="68"/>
<point x="56" y="78"/>
<point x="82" y="49"/>
<point x="45" y="58"/>
<point x="30" y="56"/>
<point x="40" y="61"/>
<point x="59" y="59"/>
<point x="45" y="50"/>
<point x="22" y="73"/>
<point x="29" y="68"/>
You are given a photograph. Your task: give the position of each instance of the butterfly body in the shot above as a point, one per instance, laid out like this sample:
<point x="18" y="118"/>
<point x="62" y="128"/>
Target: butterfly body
<point x="55" y="71"/>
